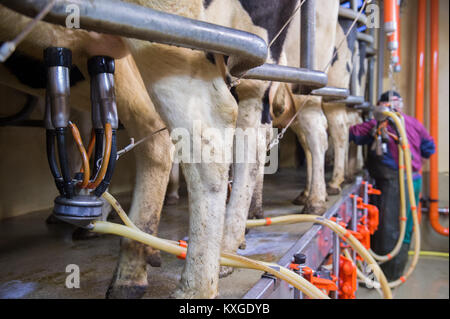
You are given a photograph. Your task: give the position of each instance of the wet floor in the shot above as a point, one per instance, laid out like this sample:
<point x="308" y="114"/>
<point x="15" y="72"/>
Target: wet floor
<point x="34" y="256"/>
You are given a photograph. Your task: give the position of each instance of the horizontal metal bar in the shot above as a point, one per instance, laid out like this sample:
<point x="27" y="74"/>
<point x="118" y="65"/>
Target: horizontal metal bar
<point x="442" y="211"/>
<point x="246" y="50"/>
<point x="351" y="100"/>
<point x="365" y="37"/>
<point x="331" y="93"/>
<point x="279" y="73"/>
<point x="351" y="14"/>
<point x="316" y="244"/>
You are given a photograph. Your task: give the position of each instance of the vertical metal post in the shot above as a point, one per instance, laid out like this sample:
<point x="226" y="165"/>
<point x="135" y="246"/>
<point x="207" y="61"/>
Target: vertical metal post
<point x="380" y="53"/>
<point x="307" y="40"/>
<point x="354" y="225"/>
<point x="371" y="73"/>
<point x="336" y="255"/>
<point x="354" y="75"/>
<point x="365" y="211"/>
<point x="366" y="197"/>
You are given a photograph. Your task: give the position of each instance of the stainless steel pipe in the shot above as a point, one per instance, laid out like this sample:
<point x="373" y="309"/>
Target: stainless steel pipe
<point x="351" y="14"/>
<point x="331" y="93"/>
<point x="351" y="100"/>
<point x="279" y="73"/>
<point x="246" y="50"/>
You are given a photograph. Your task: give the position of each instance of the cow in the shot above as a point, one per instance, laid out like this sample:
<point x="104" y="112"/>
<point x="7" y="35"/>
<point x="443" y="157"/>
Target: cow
<point x="325" y="118"/>
<point x="338" y="115"/>
<point x="355" y="159"/>
<point x="156" y="85"/>
<point x="310" y="125"/>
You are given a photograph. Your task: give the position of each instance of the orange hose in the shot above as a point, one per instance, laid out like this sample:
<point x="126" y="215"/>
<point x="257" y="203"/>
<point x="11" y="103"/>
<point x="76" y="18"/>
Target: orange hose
<point x="420" y="65"/>
<point x="390" y="16"/>
<point x="420" y="68"/>
<point x="90" y="148"/>
<point x="434" y="119"/>
<point x="91" y="144"/>
<point x="106" y="154"/>
<point x="399" y="36"/>
<point x="393" y="38"/>
<point x="84" y="156"/>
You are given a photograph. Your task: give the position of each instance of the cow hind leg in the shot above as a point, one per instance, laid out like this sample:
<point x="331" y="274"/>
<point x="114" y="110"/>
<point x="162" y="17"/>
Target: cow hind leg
<point x="207" y="185"/>
<point x="138" y="115"/>
<point x="313" y="124"/>
<point x="302" y="198"/>
<point x="338" y="129"/>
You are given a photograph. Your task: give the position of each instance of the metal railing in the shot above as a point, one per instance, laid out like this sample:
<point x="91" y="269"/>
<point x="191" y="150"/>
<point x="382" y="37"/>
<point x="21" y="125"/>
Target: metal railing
<point x="246" y="50"/>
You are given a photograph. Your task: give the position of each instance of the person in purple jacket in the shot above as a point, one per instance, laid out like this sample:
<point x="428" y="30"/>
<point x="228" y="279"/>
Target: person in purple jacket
<point x="382" y="164"/>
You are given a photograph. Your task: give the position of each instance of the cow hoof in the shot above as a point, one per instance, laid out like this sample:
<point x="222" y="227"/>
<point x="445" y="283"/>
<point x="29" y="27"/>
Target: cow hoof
<point x="257" y="213"/>
<point x="126" y="292"/>
<point x="333" y="191"/>
<point x="314" y="210"/>
<point x="349" y="180"/>
<point x="225" y="271"/>
<point x="243" y="245"/>
<point x="300" y="200"/>
<point x="171" y="200"/>
<point x="153" y="257"/>
<point x="191" y="293"/>
<point x="84" y="234"/>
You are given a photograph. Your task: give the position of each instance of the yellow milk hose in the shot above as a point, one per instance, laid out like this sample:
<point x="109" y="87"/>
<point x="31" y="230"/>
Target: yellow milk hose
<point x="430" y="254"/>
<point x="343" y="233"/>
<point x="231" y="260"/>
<point x="399" y="123"/>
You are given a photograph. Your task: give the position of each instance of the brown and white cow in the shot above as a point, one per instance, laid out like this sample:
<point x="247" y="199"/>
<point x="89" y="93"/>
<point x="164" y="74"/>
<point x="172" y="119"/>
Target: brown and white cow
<point x="338" y="115"/>
<point x="310" y="125"/>
<point x="184" y="86"/>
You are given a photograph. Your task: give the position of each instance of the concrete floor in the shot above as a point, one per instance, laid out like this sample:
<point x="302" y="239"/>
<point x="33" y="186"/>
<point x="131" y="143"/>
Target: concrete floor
<point x="34" y="256"/>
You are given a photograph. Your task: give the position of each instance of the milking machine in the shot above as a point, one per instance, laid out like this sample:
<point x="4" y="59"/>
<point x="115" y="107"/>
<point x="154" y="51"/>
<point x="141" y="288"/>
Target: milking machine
<point x="79" y="200"/>
<point x="79" y="195"/>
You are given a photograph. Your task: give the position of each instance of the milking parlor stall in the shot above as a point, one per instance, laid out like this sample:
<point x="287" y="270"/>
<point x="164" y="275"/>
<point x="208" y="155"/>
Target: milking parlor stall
<point x="224" y="149"/>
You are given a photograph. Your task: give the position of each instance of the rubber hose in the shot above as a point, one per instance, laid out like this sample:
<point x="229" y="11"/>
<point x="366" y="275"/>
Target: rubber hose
<point x="51" y="158"/>
<point x="227" y="259"/>
<point x="64" y="161"/>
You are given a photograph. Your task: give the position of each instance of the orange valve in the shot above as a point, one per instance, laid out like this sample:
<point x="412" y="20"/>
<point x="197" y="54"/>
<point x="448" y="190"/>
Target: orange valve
<point x="326" y="285"/>
<point x="373" y="220"/>
<point x="373" y="191"/>
<point x="347" y="278"/>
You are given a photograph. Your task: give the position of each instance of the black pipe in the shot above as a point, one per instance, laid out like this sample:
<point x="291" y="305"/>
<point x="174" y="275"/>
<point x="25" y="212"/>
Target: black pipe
<point x="64" y="161"/>
<point x="51" y="157"/>
<point x="111" y="166"/>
